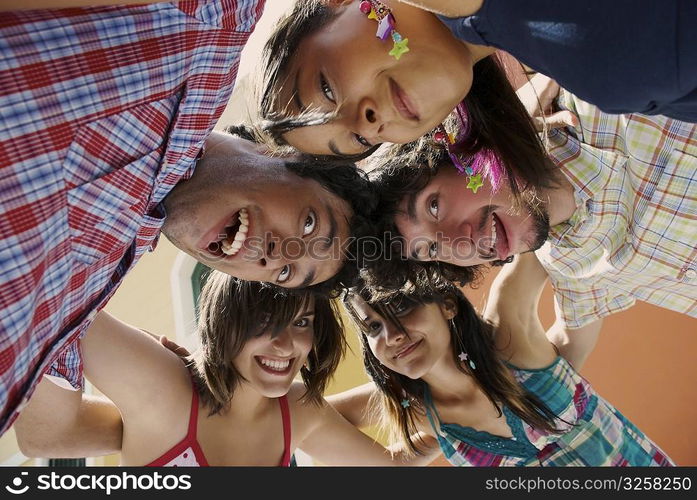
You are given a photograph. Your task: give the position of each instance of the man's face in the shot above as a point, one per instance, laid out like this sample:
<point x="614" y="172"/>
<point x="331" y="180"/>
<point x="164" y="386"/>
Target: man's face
<point x="447" y="222"/>
<point x="245" y="214"/>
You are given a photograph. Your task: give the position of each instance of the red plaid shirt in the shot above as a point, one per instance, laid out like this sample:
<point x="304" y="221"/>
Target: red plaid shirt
<point x="102" y="112"/>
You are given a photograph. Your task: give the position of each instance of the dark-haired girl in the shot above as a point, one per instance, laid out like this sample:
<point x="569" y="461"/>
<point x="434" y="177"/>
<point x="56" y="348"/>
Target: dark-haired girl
<point x="331" y="87"/>
<point x="493" y="391"/>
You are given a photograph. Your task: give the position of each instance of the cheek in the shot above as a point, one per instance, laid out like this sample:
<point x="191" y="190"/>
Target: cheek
<point x="304" y="343"/>
<point x="376" y="348"/>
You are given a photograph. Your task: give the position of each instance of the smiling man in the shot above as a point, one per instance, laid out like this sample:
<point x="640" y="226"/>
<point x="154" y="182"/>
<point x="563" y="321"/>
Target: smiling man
<point x="263" y="218"/>
<point x="618" y="226"/>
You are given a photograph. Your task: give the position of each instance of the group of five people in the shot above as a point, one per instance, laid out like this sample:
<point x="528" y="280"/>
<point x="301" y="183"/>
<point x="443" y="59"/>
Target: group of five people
<point x="107" y="141"/>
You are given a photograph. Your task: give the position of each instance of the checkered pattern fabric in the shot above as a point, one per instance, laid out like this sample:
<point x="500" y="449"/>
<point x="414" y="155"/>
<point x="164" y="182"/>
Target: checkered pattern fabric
<point x="102" y="112"/>
<point x="634" y="233"/>
<point x="592" y="431"/>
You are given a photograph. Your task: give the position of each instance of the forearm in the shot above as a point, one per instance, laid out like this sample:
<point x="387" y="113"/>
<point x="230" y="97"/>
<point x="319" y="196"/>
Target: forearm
<point x="515" y="292"/>
<point x="450" y="8"/>
<point x="8" y="5"/>
<point x="354" y="405"/>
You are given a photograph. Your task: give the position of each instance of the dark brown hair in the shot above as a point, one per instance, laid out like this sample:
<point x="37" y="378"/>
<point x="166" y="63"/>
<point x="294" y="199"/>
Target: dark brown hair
<point x="468" y="333"/>
<point x="393" y="270"/>
<point x="497" y="123"/>
<point x="231" y="311"/>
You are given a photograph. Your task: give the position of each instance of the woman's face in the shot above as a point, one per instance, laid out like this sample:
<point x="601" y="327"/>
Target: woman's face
<point x="414" y="351"/>
<point x="270" y="363"/>
<point x="345" y="68"/>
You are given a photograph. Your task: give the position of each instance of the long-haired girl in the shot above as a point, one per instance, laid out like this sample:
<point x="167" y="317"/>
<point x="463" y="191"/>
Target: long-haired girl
<point x="493" y="391"/>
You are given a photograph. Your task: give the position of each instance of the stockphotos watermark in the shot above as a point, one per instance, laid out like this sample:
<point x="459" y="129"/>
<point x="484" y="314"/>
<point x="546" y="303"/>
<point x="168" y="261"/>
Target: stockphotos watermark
<point x="98" y="483"/>
<point x="368" y="248"/>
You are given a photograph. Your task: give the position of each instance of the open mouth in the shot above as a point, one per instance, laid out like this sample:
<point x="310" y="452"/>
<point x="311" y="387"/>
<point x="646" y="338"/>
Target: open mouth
<point x="402" y="103"/>
<point x="275" y="366"/>
<point x="407" y="349"/>
<point x="232" y="237"/>
<point x="497" y="244"/>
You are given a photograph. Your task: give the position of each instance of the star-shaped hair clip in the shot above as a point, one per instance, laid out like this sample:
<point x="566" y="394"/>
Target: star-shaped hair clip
<point x="474" y="179"/>
<point x="381" y="13"/>
<point x="405" y="403"/>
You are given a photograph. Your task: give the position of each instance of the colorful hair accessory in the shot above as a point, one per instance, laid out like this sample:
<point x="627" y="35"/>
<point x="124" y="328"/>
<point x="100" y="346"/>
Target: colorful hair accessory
<point x="474" y="178"/>
<point x="464" y="357"/>
<point x="405" y="403"/>
<point x="377" y="10"/>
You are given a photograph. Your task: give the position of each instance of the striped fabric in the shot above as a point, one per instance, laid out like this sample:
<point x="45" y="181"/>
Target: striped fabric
<point x="592" y="431"/>
<point x="634" y="233"/>
<point x="102" y="111"/>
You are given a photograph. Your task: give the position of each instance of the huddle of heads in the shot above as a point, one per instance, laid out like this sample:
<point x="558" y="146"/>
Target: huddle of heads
<point x="407" y="230"/>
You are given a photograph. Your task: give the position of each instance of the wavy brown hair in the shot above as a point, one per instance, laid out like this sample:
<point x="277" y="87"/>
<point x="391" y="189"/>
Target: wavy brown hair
<point x="231" y="311"/>
<point x="468" y="333"/>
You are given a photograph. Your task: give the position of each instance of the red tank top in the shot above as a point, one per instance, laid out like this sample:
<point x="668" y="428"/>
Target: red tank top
<point x="188" y="452"/>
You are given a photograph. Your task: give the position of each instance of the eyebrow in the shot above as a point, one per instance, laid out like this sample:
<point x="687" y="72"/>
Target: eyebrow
<point x="332" y="228"/>
<point x="296" y="93"/>
<point x="334" y="149"/>
<point x="308" y="280"/>
<point x="411" y="205"/>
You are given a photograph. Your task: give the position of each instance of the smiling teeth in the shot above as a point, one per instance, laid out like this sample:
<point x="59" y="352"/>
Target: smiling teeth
<point x="278" y="366"/>
<point x="493" y="233"/>
<point x="231" y="248"/>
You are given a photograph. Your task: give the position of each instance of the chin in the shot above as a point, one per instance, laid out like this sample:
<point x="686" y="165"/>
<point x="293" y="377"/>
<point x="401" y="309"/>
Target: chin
<point x="275" y="391"/>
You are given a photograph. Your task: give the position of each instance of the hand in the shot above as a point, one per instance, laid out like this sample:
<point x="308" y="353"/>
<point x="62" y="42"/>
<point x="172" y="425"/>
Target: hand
<point x="169" y="344"/>
<point x="538" y="97"/>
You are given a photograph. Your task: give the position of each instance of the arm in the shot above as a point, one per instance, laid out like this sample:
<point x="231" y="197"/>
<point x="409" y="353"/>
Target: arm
<point x="353" y="405"/>
<point x="132" y="369"/>
<point x="574" y="344"/>
<point x="449" y="8"/>
<point x="334" y="441"/>
<point x="64" y="423"/>
<point x="8" y="5"/>
<point x="512" y="308"/>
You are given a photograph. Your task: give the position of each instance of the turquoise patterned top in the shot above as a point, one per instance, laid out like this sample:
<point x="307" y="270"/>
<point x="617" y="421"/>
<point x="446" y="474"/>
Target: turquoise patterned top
<point x="592" y="431"/>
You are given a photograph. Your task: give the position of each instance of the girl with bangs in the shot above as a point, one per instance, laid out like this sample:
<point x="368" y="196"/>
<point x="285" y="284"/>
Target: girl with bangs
<point x="492" y="390"/>
<point x="233" y="402"/>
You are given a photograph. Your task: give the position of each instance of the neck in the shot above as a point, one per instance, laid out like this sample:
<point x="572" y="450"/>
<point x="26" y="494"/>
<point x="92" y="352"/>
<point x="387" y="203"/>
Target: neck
<point x="479" y="52"/>
<point x="247" y="403"/>
<point x="447" y="383"/>
<point x="560" y="201"/>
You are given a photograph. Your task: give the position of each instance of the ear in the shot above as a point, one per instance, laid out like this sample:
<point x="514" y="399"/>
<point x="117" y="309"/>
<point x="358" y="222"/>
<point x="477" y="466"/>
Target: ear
<point x="449" y="308"/>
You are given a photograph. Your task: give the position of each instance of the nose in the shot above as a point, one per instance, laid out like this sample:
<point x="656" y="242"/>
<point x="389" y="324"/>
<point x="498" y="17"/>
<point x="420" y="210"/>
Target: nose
<point x="370" y="121"/>
<point x="456" y="243"/>
<point x="273" y="254"/>
<point x="282" y="342"/>
<point x="456" y="229"/>
<point x="393" y="335"/>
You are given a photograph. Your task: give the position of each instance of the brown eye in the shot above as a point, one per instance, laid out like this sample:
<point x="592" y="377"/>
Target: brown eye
<point x="310" y="223"/>
<point x="433" y="207"/>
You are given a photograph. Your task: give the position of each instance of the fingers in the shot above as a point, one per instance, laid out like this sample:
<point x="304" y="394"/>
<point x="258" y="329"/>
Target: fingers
<point x="173" y="346"/>
<point x="559" y="119"/>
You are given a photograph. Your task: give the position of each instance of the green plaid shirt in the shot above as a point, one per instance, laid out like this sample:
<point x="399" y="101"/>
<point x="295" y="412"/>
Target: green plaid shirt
<point x="634" y="233"/>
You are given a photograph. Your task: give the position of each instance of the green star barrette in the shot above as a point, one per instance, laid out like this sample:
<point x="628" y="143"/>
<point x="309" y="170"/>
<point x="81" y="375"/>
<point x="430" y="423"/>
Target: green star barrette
<point x="399" y="48"/>
<point x="405" y="403"/>
<point x="475" y="182"/>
